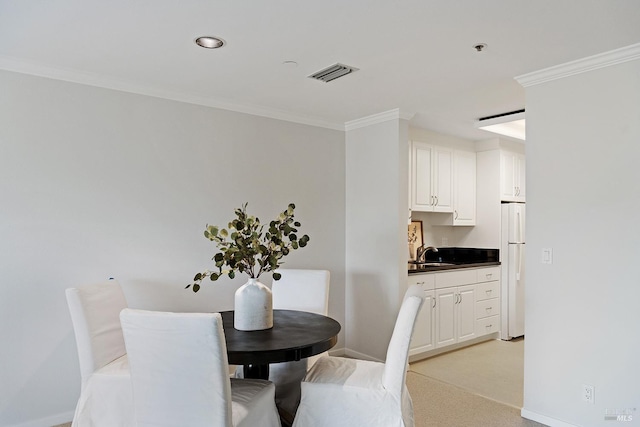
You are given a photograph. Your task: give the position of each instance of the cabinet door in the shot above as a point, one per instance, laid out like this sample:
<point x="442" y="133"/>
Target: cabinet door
<point x="466" y="313"/>
<point x="423" y="334"/>
<point x="464" y="192"/>
<point x="442" y="166"/>
<point x="445" y="316"/>
<point x="512" y="177"/>
<point x="507" y="176"/>
<point x="421" y="177"/>
<point x="519" y="171"/>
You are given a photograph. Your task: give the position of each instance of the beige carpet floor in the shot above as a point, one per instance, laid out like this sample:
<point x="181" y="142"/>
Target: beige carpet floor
<point x="437" y="404"/>
<point x="492" y="369"/>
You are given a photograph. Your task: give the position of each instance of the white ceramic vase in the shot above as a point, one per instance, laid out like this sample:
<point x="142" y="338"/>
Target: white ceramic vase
<point x="253" y="307"/>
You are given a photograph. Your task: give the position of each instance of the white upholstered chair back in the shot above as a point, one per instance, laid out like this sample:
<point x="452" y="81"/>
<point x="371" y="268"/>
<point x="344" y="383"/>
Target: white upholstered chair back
<point x="179" y="368"/>
<point x="302" y="290"/>
<point x="95" y="311"/>
<point x="346" y="392"/>
<point x="395" y="366"/>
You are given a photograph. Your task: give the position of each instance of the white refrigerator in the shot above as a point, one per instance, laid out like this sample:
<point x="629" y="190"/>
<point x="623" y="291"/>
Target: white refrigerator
<point x="513" y="270"/>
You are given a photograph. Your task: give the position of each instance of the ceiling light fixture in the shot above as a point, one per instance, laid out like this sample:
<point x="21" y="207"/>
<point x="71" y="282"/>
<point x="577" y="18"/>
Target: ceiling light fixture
<point x="509" y="124"/>
<point x="209" y="42"/>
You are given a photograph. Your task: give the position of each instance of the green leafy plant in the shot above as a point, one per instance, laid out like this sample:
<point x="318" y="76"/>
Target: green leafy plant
<point x="247" y="248"/>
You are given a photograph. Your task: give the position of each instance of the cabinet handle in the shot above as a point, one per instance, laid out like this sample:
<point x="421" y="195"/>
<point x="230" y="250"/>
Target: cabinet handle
<point x="488" y="326"/>
<point x="455" y="214"/>
<point x="489" y="309"/>
<point x="489" y="275"/>
<point x="434" y="303"/>
<point x="489" y="291"/>
<point x="436" y="200"/>
<point x="419" y="283"/>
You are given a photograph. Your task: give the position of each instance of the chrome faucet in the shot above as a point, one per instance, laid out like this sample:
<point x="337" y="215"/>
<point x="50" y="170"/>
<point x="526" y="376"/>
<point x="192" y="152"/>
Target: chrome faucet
<point x="422" y="252"/>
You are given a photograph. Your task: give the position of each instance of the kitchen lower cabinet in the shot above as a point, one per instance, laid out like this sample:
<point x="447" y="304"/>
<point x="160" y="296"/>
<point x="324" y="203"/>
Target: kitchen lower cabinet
<point x="488" y="301"/>
<point x="455" y="315"/>
<point x="423" y="338"/>
<point x="423" y="332"/>
<point x="460" y="305"/>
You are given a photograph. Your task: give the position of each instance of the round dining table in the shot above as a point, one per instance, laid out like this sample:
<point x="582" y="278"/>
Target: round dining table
<point x="295" y="335"/>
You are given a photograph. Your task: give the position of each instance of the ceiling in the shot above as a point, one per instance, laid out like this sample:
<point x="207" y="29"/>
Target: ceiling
<point x="417" y="56"/>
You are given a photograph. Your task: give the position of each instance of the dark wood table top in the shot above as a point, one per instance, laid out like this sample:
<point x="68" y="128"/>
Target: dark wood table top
<point x="295" y="335"/>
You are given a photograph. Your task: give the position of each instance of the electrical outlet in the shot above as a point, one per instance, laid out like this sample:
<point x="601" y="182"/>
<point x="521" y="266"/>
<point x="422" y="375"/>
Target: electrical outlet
<point x="588" y="394"/>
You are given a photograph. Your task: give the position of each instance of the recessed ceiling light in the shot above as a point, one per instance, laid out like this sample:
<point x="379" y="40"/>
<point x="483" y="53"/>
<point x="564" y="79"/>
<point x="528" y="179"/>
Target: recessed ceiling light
<point x="209" y="42"/>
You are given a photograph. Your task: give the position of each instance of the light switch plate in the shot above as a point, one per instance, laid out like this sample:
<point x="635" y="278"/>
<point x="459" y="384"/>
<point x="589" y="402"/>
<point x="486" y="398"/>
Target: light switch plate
<point x="547" y="256"/>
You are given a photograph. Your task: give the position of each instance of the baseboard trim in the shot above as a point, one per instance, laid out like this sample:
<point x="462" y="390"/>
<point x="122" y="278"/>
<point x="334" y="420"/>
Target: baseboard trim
<point x="337" y="352"/>
<point x="551" y="422"/>
<point x="415" y="357"/>
<point x="53" y="420"/>
<point x="357" y="355"/>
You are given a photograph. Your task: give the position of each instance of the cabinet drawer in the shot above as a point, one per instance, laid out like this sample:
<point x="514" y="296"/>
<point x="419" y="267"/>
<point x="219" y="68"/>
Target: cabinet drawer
<point x="455" y="278"/>
<point x="488" y="307"/>
<point x="488" y="325"/>
<point x="488" y="274"/>
<point x="427" y="281"/>
<point x="487" y="290"/>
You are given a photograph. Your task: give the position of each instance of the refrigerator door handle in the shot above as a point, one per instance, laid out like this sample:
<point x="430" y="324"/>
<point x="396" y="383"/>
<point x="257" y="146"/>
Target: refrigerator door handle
<point x="519" y="259"/>
<point x="519" y="225"/>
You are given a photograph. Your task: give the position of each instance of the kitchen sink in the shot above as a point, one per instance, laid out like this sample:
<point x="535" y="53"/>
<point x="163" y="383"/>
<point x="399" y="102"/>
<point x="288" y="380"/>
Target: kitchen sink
<point x="431" y="264"/>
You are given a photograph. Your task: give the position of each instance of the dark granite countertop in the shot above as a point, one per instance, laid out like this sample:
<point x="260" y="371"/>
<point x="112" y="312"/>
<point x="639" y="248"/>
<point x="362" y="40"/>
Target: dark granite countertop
<point x="456" y="258"/>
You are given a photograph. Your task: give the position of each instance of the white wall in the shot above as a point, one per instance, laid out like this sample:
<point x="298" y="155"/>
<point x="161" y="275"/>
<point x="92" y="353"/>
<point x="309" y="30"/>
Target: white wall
<point x="376" y="227"/>
<point x="97" y="183"/>
<point x="583" y="169"/>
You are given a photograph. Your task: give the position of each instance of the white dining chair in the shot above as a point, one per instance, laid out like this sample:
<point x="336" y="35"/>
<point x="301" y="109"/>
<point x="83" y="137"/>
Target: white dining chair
<point x="105" y="393"/>
<point x="301" y="290"/>
<point x="358" y="393"/>
<point x="179" y="372"/>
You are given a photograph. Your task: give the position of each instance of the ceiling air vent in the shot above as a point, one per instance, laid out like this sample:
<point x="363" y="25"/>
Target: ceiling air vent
<point x="333" y="72"/>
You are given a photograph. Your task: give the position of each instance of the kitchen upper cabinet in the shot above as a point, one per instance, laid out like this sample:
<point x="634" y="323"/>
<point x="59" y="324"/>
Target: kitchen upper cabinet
<point x="512" y="177"/>
<point x="464" y="191"/>
<point x="431" y="178"/>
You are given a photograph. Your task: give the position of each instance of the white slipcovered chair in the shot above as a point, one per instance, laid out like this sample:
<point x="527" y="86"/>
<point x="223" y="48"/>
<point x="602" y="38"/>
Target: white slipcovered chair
<point x="180" y="377"/>
<point x="105" y="395"/>
<point x="302" y="290"/>
<point x="357" y="393"/>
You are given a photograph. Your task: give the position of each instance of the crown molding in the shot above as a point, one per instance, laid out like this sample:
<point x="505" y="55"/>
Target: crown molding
<point x="373" y="119"/>
<point x="617" y="56"/>
<point x="93" y="79"/>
